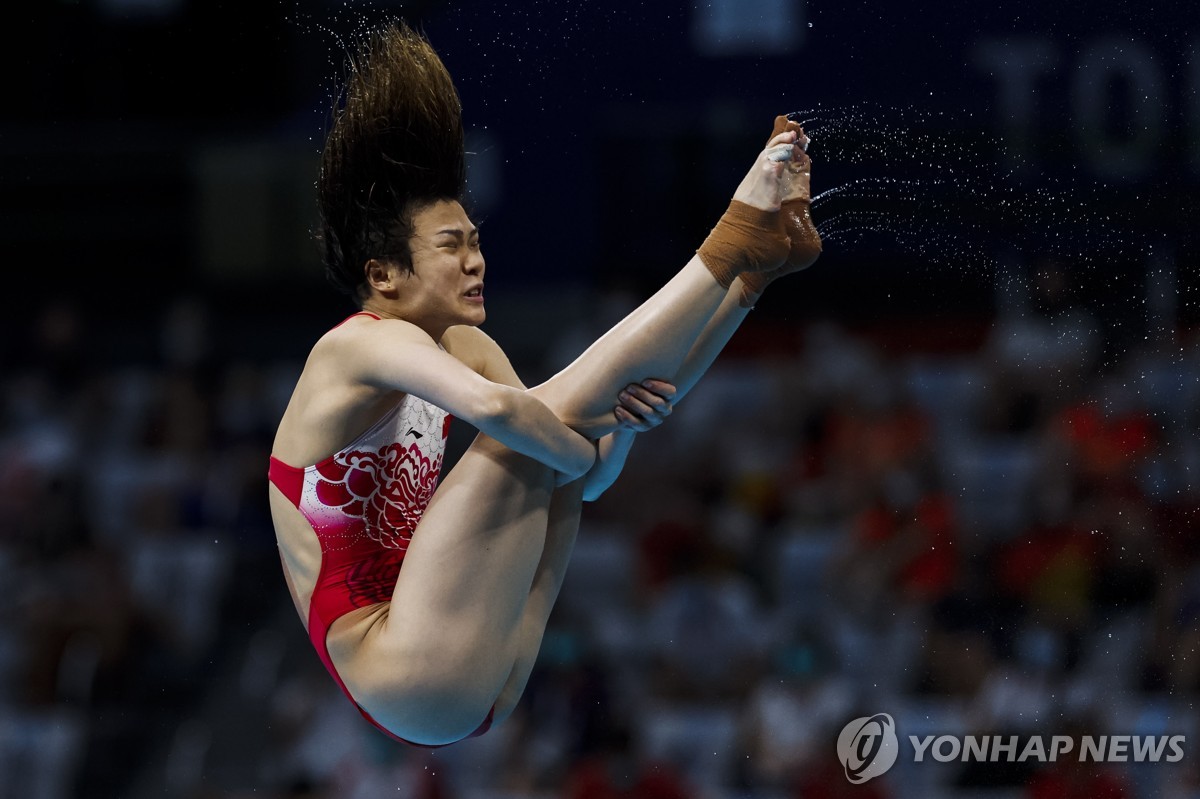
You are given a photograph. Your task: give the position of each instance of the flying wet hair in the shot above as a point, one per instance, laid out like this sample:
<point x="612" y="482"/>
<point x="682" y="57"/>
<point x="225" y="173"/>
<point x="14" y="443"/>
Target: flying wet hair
<point x="395" y="146"/>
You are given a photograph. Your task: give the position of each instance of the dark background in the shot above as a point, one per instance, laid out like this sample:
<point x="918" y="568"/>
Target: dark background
<point x="157" y="168"/>
<point x="159" y="148"/>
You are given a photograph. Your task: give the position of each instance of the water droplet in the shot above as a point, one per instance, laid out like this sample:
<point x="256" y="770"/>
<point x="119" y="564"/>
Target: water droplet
<point x="950" y="198"/>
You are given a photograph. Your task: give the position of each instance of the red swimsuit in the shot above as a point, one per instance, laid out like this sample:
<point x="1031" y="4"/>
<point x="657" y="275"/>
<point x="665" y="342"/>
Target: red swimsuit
<point x="364" y="503"/>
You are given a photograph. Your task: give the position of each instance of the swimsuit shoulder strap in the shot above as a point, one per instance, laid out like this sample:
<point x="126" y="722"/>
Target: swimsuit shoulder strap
<point x="351" y="316"/>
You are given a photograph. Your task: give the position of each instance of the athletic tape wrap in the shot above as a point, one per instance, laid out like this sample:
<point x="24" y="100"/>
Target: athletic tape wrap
<point x="745" y="240"/>
<point x="804" y="241"/>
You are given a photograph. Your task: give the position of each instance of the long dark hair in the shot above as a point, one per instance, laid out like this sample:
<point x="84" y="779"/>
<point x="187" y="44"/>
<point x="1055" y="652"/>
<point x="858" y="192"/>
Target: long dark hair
<point x="395" y="145"/>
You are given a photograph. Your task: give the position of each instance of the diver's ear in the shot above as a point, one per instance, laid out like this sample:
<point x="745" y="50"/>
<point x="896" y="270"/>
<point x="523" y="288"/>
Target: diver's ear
<point x="380" y="275"/>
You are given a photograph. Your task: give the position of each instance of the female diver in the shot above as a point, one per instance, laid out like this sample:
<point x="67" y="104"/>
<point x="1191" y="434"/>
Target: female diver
<point x="427" y="601"/>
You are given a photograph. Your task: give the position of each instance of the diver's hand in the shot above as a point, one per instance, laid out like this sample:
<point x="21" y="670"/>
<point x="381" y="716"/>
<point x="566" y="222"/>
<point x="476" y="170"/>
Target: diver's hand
<point x="644" y="406"/>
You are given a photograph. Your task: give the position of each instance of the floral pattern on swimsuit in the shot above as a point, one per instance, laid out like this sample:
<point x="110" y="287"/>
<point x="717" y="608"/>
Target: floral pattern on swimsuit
<point x="365" y="501"/>
<point x="363" y="504"/>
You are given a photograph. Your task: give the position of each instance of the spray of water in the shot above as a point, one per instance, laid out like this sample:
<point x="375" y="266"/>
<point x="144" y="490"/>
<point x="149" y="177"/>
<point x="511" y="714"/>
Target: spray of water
<point x="953" y="196"/>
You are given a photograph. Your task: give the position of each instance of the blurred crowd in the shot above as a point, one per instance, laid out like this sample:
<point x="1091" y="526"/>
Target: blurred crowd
<point x="993" y="535"/>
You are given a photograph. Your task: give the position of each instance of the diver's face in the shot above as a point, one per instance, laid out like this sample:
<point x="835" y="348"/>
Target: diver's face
<point x="446" y="284"/>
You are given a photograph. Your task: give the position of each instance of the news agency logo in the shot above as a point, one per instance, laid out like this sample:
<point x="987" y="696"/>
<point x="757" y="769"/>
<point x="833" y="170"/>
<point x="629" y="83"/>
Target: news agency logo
<point x="868" y="747"/>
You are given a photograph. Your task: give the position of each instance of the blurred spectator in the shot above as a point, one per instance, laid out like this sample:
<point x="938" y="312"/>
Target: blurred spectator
<point x="594" y="778"/>
<point x="773" y="567"/>
<point x="707" y="629"/>
<point x="826" y="779"/>
<point x="1067" y="778"/>
<point x="903" y="546"/>
<point x="1039" y="355"/>
<point x="795" y="706"/>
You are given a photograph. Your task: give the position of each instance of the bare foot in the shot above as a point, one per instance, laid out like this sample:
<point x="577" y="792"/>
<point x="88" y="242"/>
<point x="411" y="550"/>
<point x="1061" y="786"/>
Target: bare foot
<point x="796" y="199"/>
<point x="794" y="173"/>
<point x="763" y="186"/>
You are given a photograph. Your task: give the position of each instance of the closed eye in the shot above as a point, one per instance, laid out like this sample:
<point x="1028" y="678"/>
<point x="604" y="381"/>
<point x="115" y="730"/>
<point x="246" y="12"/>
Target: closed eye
<point x="452" y="241"/>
